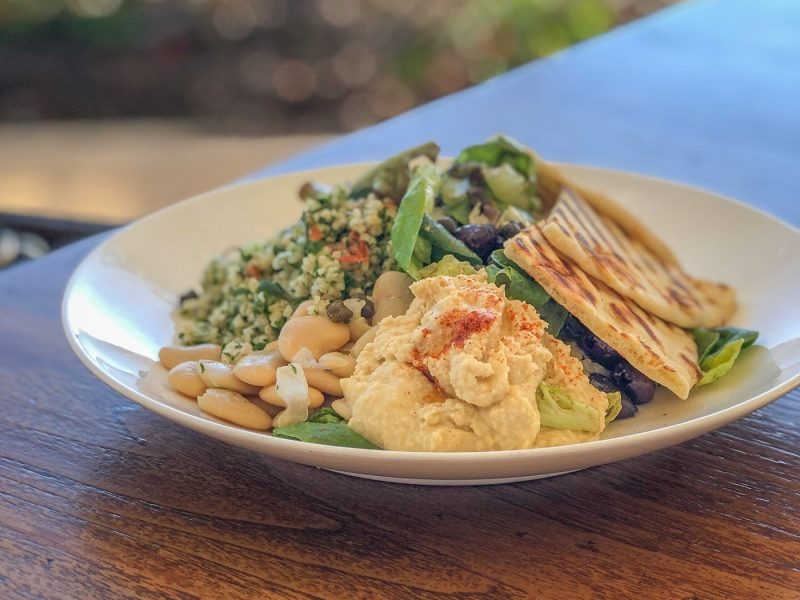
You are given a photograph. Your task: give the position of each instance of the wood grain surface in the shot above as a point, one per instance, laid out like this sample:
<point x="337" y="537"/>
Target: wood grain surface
<point x="100" y="498"/>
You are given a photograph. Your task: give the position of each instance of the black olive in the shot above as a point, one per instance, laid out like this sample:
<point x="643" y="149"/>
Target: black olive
<point x="604" y="383"/>
<point x="628" y="408"/>
<point x="480" y="238"/>
<point x="190" y="295"/>
<point x="572" y="329"/>
<point x="368" y="310"/>
<point x="634" y="384"/>
<point x="449" y="223"/>
<point x="509" y="230"/>
<point x="338" y="312"/>
<point x="597" y="350"/>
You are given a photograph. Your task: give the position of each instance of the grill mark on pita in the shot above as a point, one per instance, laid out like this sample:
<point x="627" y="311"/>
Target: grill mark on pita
<point x="576" y="207"/>
<point x="678" y="298"/>
<point x="628" y="249"/>
<point x="620" y="314"/>
<point x="595" y="230"/>
<point x="646" y="326"/>
<point x="556" y="265"/>
<point x="681" y="285"/>
<point x="692" y="363"/>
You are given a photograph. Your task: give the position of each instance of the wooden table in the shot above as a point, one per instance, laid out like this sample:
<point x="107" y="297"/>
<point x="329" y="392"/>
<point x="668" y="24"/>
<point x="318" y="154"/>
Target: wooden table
<point x="102" y="499"/>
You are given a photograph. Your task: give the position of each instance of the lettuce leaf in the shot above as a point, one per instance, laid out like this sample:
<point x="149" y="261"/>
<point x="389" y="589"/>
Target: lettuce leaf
<point x="330" y="434"/>
<point x="508" y="186"/>
<point x="614" y="406"/>
<point x="391" y="177"/>
<point x="718" y="349"/>
<point x="448" y="265"/>
<point x="559" y="410"/>
<point x="500" y="150"/>
<point x="326" y="415"/>
<point x="418" y="200"/>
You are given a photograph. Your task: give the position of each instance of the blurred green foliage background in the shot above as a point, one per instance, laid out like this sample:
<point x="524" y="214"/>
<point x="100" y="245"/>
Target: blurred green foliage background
<point x="273" y="65"/>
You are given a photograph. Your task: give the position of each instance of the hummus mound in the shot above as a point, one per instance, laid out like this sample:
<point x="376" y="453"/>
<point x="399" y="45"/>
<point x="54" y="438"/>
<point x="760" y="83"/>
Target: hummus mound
<point x="457" y="372"/>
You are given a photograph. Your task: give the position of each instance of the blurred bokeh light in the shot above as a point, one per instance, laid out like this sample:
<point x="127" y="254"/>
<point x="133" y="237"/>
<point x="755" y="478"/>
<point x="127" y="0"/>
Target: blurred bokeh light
<point x="273" y="66"/>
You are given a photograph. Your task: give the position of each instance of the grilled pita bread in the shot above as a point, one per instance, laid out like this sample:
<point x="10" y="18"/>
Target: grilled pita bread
<point x="551" y="180"/>
<point x="606" y="252"/>
<point x="663" y="352"/>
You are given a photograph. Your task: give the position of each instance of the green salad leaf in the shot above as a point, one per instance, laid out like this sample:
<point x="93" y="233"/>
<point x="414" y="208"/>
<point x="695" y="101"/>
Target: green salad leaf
<point x="614" y="406"/>
<point x="718" y="348"/>
<point x="509" y="187"/>
<point x="454" y="190"/>
<point x="448" y="265"/>
<point x="500" y="150"/>
<point x="326" y="415"/>
<point x="559" y="410"/>
<point x="330" y="434"/>
<point x="554" y="314"/>
<point x="518" y="285"/>
<point x="391" y="177"/>
<point x="460" y="212"/>
<point x="418" y="200"/>
<point x="509" y="172"/>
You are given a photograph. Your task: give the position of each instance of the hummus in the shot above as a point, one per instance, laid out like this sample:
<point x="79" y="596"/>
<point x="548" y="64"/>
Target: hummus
<point x="459" y="372"/>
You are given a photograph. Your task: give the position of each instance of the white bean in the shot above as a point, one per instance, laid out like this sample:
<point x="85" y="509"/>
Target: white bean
<point x="259" y="368"/>
<point x="391" y="295"/>
<point x="319" y="334"/>
<point x="363" y="341"/>
<point x="185" y="378"/>
<point x="219" y="375"/>
<point x="393" y="306"/>
<point x="391" y="283"/>
<point x="324" y="381"/>
<point x="172" y="356"/>
<point x="338" y="363"/>
<point x="233" y="407"/>
<point x="270" y="395"/>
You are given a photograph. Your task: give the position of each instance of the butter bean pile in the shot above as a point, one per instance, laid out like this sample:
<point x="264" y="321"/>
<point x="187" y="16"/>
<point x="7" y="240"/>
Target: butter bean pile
<point x="227" y="383"/>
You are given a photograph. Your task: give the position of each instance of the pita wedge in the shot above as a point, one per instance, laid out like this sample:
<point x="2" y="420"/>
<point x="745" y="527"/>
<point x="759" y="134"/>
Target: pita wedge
<point x="552" y="179"/>
<point x="606" y="252"/>
<point x="663" y="352"/>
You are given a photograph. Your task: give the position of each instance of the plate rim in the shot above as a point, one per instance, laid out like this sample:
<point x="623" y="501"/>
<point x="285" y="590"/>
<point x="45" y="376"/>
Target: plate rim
<point x="264" y="443"/>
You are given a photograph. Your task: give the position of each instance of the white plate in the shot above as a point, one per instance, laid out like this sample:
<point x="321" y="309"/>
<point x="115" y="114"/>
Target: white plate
<point x="117" y="307"/>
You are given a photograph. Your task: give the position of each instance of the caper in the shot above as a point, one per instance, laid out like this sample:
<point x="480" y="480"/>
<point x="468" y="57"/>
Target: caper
<point x="449" y="223"/>
<point x="368" y="310"/>
<point x="338" y="312"/>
